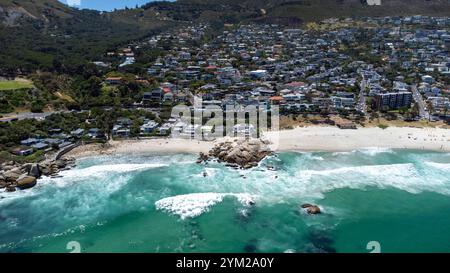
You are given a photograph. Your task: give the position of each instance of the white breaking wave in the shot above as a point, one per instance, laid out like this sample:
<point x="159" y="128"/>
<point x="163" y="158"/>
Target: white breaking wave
<point x="440" y="166"/>
<point x="195" y="204"/>
<point x="401" y="176"/>
<point x="373" y="151"/>
<point x="101" y="170"/>
<point x="370" y="170"/>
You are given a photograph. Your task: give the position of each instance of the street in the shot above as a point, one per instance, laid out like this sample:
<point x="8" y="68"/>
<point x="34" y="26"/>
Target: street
<point x="423" y="111"/>
<point x="361" y="105"/>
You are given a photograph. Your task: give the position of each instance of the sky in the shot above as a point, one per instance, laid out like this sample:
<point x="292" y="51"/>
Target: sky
<point x="105" y="5"/>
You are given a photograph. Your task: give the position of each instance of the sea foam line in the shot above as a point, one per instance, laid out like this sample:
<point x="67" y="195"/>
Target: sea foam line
<point x="439" y="166"/>
<point x="195" y="204"/>
<point x="114" y="168"/>
<point x="373" y="170"/>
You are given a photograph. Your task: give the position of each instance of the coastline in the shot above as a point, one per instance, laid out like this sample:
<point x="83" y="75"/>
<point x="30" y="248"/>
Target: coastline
<point x="324" y="138"/>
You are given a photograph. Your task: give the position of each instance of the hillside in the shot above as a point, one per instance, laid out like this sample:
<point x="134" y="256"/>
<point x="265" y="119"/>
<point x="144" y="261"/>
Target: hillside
<point x="294" y="11"/>
<point x="47" y="35"/>
<point x="320" y="9"/>
<point x="14" y="12"/>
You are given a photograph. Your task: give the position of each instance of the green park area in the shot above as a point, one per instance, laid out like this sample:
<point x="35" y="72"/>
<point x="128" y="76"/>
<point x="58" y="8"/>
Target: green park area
<point x="15" y="84"/>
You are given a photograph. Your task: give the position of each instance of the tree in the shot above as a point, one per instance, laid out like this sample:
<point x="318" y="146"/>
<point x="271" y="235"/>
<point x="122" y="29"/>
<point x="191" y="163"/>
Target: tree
<point x="105" y="122"/>
<point x="94" y="85"/>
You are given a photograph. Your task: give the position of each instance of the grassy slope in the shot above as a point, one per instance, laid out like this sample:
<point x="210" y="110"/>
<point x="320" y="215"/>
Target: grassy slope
<point x="14" y="85"/>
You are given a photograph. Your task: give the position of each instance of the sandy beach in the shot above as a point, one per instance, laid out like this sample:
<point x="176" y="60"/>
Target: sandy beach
<point x="335" y="139"/>
<point x="298" y="139"/>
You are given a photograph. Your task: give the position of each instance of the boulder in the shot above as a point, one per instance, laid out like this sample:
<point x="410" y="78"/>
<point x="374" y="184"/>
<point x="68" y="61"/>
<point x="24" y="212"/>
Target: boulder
<point x="7" y="167"/>
<point x="26" y="182"/>
<point x="245" y="153"/>
<point x="60" y="163"/>
<point x="11" y="175"/>
<point x="17" y="170"/>
<point x="202" y="158"/>
<point x="10" y="188"/>
<point x="45" y="171"/>
<point x="35" y="171"/>
<point x="311" y="209"/>
<point x="25" y="168"/>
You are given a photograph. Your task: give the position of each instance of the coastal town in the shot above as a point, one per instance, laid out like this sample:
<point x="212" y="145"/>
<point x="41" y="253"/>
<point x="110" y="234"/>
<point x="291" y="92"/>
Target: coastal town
<point x="347" y="73"/>
<point x="248" y="127"/>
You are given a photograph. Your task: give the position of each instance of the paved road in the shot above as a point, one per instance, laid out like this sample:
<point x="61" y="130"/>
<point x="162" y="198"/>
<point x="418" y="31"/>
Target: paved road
<point x="40" y="116"/>
<point x="423" y="111"/>
<point x="361" y="104"/>
<point x="26" y="115"/>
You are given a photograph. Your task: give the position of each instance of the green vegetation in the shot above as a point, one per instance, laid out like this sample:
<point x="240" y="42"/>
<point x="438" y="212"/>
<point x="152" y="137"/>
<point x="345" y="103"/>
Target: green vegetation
<point x="15" y="85"/>
<point x="13" y="99"/>
<point x="53" y="37"/>
<point x="35" y="157"/>
<point x="12" y="133"/>
<point x="66" y="39"/>
<point x="383" y="126"/>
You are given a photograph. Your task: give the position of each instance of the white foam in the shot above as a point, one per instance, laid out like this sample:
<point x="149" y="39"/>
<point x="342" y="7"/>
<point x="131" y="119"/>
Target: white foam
<point x="371" y="170"/>
<point x="210" y="172"/>
<point x="440" y="166"/>
<point x="101" y="170"/>
<point x="401" y="176"/>
<point x="312" y="156"/>
<point x="195" y="204"/>
<point x="370" y="151"/>
<point x="341" y="153"/>
<point x="373" y="151"/>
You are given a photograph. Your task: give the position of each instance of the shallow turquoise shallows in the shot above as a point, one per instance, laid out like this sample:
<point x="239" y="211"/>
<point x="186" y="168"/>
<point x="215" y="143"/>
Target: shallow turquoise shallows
<point x="168" y="203"/>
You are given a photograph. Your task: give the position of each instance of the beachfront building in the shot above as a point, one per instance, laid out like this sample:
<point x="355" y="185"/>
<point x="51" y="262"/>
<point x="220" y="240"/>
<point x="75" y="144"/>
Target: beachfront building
<point x="148" y="128"/>
<point x="120" y="131"/>
<point x="392" y="101"/>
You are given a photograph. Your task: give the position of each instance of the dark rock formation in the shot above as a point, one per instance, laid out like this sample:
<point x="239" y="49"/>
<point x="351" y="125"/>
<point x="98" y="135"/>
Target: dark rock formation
<point x="25" y="176"/>
<point x="240" y="153"/>
<point x="35" y="171"/>
<point x="311" y="209"/>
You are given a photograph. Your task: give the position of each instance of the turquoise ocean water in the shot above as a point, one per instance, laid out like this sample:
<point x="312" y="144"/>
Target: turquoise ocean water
<point x="168" y="203"/>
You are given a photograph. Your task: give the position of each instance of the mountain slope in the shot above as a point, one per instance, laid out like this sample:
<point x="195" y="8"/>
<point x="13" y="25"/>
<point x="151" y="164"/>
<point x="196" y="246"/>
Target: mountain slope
<point x="298" y="10"/>
<point x="48" y="35"/>
<point x="13" y="12"/>
<point x="45" y="34"/>
<point x="320" y="9"/>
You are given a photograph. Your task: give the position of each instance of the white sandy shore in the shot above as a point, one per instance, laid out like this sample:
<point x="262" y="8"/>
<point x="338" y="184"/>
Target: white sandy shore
<point x="299" y="139"/>
<point x="335" y="139"/>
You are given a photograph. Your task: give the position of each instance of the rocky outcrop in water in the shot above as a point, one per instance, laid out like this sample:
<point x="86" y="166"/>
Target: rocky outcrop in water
<point x="311" y="209"/>
<point x="238" y="153"/>
<point x="24" y="176"/>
